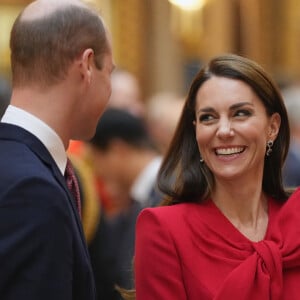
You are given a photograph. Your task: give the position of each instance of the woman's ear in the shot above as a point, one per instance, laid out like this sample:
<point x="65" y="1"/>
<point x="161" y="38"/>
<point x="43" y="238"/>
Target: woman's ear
<point x="274" y="126"/>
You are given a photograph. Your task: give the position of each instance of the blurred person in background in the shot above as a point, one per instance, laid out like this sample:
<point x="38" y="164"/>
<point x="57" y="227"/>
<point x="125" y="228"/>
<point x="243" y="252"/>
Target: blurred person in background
<point x="122" y="153"/>
<point x="126" y="93"/>
<point x="163" y="111"/>
<point x="291" y="170"/>
<point x="5" y="94"/>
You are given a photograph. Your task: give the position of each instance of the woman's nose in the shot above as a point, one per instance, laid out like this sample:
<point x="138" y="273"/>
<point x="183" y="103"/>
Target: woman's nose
<point x="225" y="129"/>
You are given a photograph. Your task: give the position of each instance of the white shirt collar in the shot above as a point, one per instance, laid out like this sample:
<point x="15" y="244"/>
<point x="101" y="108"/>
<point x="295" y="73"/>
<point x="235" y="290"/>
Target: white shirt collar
<point x="50" y="139"/>
<point x="144" y="183"/>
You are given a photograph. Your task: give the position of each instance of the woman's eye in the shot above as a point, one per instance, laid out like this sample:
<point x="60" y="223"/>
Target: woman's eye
<point x="206" y="118"/>
<point x="242" y="113"/>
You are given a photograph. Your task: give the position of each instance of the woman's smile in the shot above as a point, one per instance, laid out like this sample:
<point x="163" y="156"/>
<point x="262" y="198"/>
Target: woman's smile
<point x="221" y="151"/>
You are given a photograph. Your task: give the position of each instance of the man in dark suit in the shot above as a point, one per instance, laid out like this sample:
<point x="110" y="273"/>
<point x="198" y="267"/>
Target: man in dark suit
<point x="61" y="65"/>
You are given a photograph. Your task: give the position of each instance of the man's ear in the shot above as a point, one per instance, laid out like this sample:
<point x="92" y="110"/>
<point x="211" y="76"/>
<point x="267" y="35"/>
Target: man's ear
<point x="86" y="64"/>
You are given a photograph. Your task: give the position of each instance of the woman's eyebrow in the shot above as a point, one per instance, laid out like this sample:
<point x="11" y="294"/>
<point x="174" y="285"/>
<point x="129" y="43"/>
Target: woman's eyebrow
<point x="240" y="104"/>
<point x="209" y="109"/>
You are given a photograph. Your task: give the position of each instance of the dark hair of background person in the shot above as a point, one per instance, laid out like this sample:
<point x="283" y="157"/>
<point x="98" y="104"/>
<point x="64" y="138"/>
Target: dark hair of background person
<point x="70" y="30"/>
<point x="193" y="180"/>
<point x="117" y="123"/>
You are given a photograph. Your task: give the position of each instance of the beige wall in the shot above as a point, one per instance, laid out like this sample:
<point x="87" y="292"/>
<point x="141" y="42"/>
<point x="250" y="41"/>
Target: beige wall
<point x="155" y="41"/>
<point x="289" y="39"/>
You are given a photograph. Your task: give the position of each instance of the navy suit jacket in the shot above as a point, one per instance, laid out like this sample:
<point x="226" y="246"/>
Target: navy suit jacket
<point x="43" y="253"/>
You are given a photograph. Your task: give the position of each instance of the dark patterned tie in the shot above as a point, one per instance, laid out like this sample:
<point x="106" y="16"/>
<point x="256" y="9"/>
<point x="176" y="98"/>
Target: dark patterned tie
<point x="73" y="185"/>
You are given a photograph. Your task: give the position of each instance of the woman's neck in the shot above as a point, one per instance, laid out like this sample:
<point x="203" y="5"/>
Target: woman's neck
<point x="246" y="207"/>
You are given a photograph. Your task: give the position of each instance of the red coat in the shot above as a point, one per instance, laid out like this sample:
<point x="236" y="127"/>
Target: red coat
<point x="192" y="252"/>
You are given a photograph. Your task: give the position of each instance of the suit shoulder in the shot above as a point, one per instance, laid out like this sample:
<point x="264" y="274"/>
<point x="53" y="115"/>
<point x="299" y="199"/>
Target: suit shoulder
<point x="21" y="163"/>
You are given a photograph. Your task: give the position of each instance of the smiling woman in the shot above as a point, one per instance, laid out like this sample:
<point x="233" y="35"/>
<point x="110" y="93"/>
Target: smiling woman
<point x="228" y="226"/>
<point x="232" y="130"/>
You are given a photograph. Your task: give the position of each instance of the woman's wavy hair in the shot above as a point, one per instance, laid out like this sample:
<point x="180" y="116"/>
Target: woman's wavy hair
<point x="182" y="177"/>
